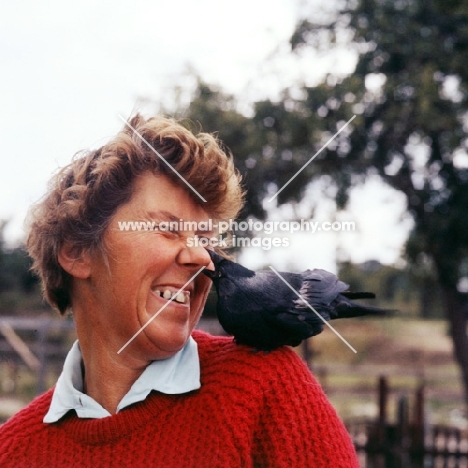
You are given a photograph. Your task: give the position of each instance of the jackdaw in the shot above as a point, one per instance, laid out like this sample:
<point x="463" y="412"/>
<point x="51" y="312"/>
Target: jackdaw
<point x="260" y="310"/>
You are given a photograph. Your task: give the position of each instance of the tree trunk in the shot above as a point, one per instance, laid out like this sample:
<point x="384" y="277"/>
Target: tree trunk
<point x="455" y="309"/>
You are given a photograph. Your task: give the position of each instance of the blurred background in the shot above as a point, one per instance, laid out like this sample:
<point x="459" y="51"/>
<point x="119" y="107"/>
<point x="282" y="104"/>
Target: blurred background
<point x="276" y="80"/>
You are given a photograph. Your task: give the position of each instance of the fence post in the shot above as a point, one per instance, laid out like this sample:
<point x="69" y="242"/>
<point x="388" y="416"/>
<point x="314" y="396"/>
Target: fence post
<point x="378" y="437"/>
<point x="400" y="455"/>
<point x="42" y="342"/>
<point x="402" y="438"/>
<point x="417" y="440"/>
<point x="383" y="397"/>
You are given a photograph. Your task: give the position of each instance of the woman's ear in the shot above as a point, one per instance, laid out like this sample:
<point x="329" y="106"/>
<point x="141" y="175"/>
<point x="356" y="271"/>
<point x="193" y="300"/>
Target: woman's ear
<point x="76" y="262"/>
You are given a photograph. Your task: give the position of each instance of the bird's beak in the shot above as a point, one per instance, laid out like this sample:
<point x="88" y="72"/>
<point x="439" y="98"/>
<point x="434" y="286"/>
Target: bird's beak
<point x="210" y="269"/>
<point x="210" y="273"/>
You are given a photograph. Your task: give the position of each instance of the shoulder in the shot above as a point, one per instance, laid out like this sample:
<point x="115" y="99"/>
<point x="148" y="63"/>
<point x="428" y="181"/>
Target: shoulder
<point x="222" y="354"/>
<point x="25" y="423"/>
<point x="224" y="347"/>
<point x="290" y="409"/>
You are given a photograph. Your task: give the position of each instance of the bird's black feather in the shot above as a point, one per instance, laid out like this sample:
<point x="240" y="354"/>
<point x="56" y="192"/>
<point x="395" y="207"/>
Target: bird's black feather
<point x="260" y="310"/>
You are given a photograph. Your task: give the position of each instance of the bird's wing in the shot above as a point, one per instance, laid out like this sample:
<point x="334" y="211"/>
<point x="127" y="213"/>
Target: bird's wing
<point x="276" y="302"/>
<point x="331" y="298"/>
<point x="319" y="289"/>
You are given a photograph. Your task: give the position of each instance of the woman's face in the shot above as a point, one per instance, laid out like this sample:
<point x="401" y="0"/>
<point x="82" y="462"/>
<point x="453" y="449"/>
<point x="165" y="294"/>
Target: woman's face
<point x="146" y="267"/>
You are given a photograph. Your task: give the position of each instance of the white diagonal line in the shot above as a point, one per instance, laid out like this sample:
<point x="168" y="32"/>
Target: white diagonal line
<point x="310" y="307"/>
<point x="160" y="310"/>
<point x="162" y="159"/>
<point x="312" y="158"/>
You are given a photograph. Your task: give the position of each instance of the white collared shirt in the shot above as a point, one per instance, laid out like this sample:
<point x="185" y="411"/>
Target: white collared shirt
<point x="175" y="375"/>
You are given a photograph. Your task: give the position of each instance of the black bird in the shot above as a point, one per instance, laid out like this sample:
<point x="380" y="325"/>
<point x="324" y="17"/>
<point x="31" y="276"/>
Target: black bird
<point x="261" y="311"/>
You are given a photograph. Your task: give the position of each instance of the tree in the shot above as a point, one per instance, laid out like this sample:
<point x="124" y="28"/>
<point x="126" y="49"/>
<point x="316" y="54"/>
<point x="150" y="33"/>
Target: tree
<point x="19" y="287"/>
<point x="409" y="91"/>
<point x="271" y="146"/>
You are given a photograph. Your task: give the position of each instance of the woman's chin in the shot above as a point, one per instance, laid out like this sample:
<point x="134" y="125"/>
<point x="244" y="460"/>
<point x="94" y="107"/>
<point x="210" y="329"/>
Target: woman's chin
<point x="168" y="336"/>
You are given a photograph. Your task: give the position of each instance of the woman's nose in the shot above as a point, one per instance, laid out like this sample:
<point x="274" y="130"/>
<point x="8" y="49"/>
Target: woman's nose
<point x="195" y="257"/>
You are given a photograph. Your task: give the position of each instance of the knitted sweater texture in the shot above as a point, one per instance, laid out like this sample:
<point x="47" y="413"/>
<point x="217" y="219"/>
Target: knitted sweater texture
<point x="252" y="410"/>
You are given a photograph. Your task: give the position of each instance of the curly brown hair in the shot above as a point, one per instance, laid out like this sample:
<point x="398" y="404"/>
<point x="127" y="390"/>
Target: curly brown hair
<point x="84" y="195"/>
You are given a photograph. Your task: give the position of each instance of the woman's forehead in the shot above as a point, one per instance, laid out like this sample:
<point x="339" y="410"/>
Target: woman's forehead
<point x="156" y="196"/>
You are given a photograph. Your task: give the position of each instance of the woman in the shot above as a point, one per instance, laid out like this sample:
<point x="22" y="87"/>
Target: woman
<point x="140" y="387"/>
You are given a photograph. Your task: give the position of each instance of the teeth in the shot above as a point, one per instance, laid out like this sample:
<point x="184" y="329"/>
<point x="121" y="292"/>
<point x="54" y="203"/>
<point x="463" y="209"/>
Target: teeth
<point x="167" y="294"/>
<point x="180" y="298"/>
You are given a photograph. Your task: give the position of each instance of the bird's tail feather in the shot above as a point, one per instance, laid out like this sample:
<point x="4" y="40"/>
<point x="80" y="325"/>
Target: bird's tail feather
<point x="349" y="309"/>
<point x="358" y="295"/>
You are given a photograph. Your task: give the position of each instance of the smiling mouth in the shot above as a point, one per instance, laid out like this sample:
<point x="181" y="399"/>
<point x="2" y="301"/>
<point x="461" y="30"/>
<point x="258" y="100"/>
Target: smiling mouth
<point x="182" y="297"/>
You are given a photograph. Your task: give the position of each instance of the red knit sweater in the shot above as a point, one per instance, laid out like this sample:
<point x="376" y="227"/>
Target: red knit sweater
<point x="252" y="410"/>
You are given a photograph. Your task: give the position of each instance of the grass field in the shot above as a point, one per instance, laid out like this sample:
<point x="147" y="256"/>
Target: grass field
<point x="408" y="352"/>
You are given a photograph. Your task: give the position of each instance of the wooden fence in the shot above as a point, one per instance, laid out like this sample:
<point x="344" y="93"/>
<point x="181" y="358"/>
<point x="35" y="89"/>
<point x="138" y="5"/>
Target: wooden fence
<point x="409" y="442"/>
<point x="40" y="344"/>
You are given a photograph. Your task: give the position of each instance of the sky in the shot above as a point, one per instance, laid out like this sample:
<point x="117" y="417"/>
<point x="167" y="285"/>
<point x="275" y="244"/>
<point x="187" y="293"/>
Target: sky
<point x="70" y="68"/>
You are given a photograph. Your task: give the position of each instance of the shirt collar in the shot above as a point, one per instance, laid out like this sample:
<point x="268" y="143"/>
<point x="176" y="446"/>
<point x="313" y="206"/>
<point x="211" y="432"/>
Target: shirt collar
<point x="175" y="375"/>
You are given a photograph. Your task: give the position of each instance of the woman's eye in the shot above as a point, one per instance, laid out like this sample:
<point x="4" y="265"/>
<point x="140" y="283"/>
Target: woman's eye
<point x="170" y="234"/>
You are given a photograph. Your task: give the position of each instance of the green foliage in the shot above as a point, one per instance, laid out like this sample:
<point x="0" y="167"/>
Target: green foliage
<point x="409" y="90"/>
<point x="270" y="147"/>
<point x="19" y="288"/>
<point x="405" y="290"/>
